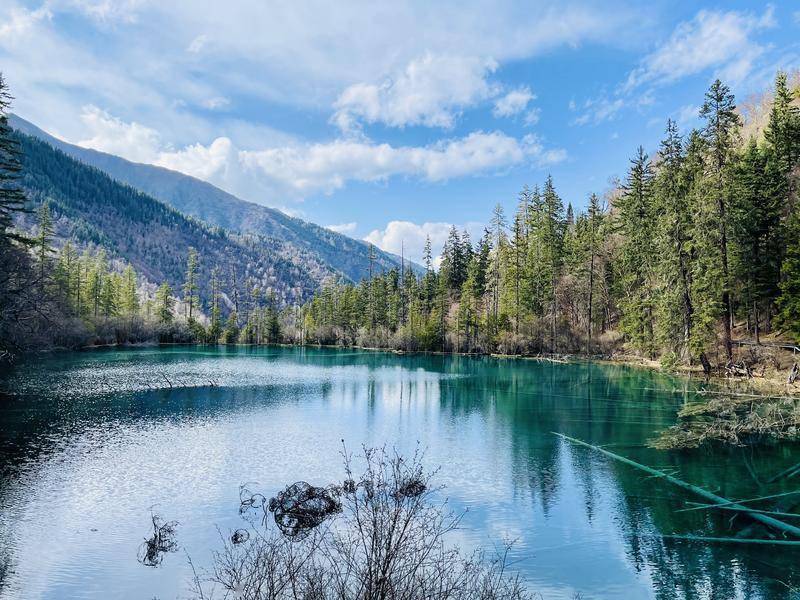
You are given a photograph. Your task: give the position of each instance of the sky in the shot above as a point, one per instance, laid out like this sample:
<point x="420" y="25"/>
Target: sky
<point x="387" y="121"/>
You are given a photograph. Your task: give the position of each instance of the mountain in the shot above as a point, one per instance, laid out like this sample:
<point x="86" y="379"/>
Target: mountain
<point x="97" y="211"/>
<point x="208" y="203"/>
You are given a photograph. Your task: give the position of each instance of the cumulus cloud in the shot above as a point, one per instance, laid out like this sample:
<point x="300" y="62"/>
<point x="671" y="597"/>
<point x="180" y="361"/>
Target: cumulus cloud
<point x="133" y="141"/>
<point x="513" y="103"/>
<point x="326" y="167"/>
<point x="410" y="237"/>
<point x="429" y="91"/>
<point x="713" y="39"/>
<point x="346" y="228"/>
<point x="298" y="170"/>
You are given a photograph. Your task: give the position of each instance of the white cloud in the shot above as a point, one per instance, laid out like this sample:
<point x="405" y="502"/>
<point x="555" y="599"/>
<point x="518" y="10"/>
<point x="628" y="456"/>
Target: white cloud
<point x="346" y="228"/>
<point x="197" y="44"/>
<point x="19" y="21"/>
<point x="429" y="91"/>
<point x="109" y="134"/>
<point x="532" y="117"/>
<point x="513" y="103"/>
<point x="217" y="162"/>
<point x="713" y="39"/>
<point x="599" y="110"/>
<point x="326" y="167"/>
<point x="215" y="103"/>
<point x="410" y="237"/>
<point x="298" y="170"/>
<point x="125" y="11"/>
<point x="686" y="115"/>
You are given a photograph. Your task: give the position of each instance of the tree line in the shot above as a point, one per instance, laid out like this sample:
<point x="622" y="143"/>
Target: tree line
<point x="698" y="242"/>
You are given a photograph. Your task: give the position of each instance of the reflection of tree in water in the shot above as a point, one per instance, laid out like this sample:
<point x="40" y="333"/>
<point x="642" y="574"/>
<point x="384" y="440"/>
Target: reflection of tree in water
<point x="600" y="404"/>
<point x="624" y="408"/>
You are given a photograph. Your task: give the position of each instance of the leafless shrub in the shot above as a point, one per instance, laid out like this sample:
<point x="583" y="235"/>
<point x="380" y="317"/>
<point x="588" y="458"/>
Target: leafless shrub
<point x="152" y="550"/>
<point x="387" y="541"/>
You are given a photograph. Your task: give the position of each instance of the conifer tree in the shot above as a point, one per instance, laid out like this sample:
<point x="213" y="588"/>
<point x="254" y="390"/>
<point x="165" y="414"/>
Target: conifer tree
<point x="43" y="241"/>
<point x="552" y="239"/>
<point x="215" y="326"/>
<point x="12" y="197"/>
<point x="190" y="286"/>
<point x="129" y="300"/>
<point x="164" y="303"/>
<point x="721" y="133"/>
<point x="789" y="300"/>
<point x="594" y="222"/>
<point x="635" y="221"/>
<point x="673" y="239"/>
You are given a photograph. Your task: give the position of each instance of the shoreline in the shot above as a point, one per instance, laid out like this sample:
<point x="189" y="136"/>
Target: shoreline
<point x="766" y="385"/>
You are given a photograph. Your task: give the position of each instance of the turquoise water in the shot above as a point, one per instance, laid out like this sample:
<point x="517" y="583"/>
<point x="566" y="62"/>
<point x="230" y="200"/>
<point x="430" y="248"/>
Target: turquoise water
<point x="89" y="442"/>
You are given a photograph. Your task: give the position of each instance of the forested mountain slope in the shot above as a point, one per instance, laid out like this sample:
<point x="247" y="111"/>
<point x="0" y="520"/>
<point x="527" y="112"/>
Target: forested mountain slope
<point x="204" y="201"/>
<point x="93" y="209"/>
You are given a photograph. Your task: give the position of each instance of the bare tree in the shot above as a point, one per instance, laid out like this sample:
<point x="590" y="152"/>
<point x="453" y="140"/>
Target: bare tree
<point x="380" y="535"/>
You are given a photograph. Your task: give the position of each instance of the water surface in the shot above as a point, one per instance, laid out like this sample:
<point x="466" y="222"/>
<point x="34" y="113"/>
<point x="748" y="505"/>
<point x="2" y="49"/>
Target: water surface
<point x="89" y="442"/>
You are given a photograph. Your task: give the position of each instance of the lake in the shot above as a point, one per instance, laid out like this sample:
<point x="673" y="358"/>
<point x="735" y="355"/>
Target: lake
<point x="91" y="442"/>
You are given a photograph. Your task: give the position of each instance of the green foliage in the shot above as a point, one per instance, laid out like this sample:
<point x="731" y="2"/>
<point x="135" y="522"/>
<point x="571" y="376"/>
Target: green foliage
<point x="706" y="234"/>
<point x="789" y="300"/>
<point x="692" y="241"/>
<point x="164" y="304"/>
<point x="12" y="196"/>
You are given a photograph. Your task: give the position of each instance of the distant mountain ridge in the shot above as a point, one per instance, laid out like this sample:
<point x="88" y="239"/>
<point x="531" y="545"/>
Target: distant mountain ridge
<point x="95" y="211"/>
<point x="214" y="206"/>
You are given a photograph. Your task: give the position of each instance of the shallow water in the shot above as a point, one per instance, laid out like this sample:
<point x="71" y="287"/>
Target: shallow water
<point x="89" y="442"/>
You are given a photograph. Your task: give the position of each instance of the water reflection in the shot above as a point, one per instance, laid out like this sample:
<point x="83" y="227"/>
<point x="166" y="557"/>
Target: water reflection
<point x="90" y="441"/>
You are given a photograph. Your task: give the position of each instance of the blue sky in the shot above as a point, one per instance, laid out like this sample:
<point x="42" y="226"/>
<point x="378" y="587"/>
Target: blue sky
<point x="387" y="121"/>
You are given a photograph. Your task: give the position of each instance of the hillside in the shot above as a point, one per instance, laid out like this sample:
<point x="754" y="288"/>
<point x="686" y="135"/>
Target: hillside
<point x="204" y="201"/>
<point x="91" y="208"/>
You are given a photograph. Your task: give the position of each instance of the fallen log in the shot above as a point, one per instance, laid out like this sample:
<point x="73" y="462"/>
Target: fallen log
<point x="741" y="502"/>
<point x="730" y="540"/>
<point x="774" y="513"/>
<point x="714" y="498"/>
<point x="790" y="472"/>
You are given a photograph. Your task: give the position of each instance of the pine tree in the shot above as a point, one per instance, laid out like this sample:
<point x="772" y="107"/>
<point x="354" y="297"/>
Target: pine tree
<point x="190" y="286"/>
<point x="789" y="300"/>
<point x="755" y="225"/>
<point x="594" y="221"/>
<point x="783" y="130"/>
<point x="129" y="300"/>
<point x="721" y="133"/>
<point x="673" y="235"/>
<point x="498" y="226"/>
<point x="635" y="221"/>
<point x="43" y="241"/>
<point x="164" y="303"/>
<point x="67" y="276"/>
<point x="12" y="197"/>
<point x="215" y="326"/>
<point x="552" y="236"/>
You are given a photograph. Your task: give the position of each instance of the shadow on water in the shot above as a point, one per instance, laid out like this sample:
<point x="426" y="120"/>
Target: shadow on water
<point x="479" y="411"/>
